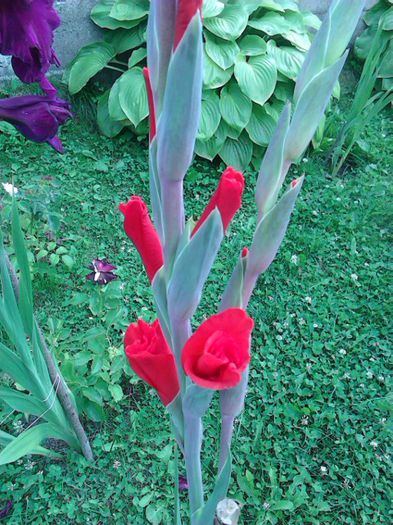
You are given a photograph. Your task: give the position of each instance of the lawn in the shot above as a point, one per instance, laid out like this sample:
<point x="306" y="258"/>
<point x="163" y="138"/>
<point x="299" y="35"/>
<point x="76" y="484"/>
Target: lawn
<point x="312" y="446"/>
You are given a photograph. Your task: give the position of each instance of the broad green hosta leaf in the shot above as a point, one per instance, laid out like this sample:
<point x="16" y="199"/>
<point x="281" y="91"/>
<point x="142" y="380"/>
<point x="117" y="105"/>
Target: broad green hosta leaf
<point x="287" y="59"/>
<point x="125" y="39"/>
<point x="193" y="266"/>
<point x="284" y="91"/>
<point x="261" y="126"/>
<point x="311" y="20"/>
<point x="209" y="149"/>
<point x="115" y="110"/>
<point x="133" y="95"/>
<point x="230" y="23"/>
<point x="237" y="153"/>
<point x="301" y="41"/>
<point x="129" y="9"/>
<point x="271" y="24"/>
<point x="100" y="14"/>
<point x="210" y="115"/>
<point x="214" y="77"/>
<point x="222" y="52"/>
<point x="257" y="78"/>
<point x="108" y="126"/>
<point x="235" y="106"/>
<point x="137" y="56"/>
<point x="212" y="8"/>
<point x="228" y="131"/>
<point x="252" y="45"/>
<point x="88" y="62"/>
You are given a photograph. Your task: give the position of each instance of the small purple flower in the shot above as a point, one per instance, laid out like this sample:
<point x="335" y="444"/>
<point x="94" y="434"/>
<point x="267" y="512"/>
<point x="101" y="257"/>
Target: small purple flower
<point x="37" y="117"/>
<point x="183" y="483"/>
<point x="6" y="510"/>
<point x="102" y="272"/>
<point x="26" y="34"/>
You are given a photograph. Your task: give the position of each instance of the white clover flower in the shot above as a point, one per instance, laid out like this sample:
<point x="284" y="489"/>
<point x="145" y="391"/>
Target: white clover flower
<point x="308" y="299"/>
<point x="302" y="321"/>
<point x="116" y="464"/>
<point x="381" y="379"/>
<point x="315" y="325"/>
<point x="294" y="259"/>
<point x="370" y="375"/>
<point x="374" y="444"/>
<point x="10" y="188"/>
<point x="266" y="505"/>
<point x="323" y="470"/>
<point x="304" y="420"/>
<point x="342" y="351"/>
<point x="354" y="277"/>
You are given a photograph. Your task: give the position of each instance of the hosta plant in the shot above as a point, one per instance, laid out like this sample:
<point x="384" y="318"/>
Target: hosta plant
<point x="379" y="19"/>
<point x="252" y="51"/>
<point x="188" y="364"/>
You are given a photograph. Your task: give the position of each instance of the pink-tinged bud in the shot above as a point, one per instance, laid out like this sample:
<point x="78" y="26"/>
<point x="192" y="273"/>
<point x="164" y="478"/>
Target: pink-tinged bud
<point x="140" y="229"/>
<point x="294" y="183"/>
<point x="245" y="251"/>
<point x="186" y="9"/>
<point x="227" y="198"/>
<point x="152" y="109"/>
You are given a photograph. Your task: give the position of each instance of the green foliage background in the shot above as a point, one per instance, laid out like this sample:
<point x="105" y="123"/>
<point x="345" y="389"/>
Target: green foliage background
<point x="312" y="446"/>
<point x="252" y="54"/>
<point x="381" y="12"/>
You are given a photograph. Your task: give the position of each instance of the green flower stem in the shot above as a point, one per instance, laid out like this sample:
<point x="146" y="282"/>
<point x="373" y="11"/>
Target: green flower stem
<point x="172" y="218"/>
<point x="225" y="439"/>
<point x="192" y="449"/>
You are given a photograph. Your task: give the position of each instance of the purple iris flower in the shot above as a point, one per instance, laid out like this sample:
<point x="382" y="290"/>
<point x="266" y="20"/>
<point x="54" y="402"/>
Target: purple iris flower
<point x="37" y="117"/>
<point x="26" y="34"/>
<point x="102" y="271"/>
<point x="6" y="510"/>
<point x="183" y="483"/>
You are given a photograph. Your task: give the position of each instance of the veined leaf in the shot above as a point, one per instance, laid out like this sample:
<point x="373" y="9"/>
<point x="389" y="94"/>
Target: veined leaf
<point x="100" y="14"/>
<point x="212" y="8"/>
<point x="230" y="23"/>
<point x="26" y="442"/>
<point x="237" y="153"/>
<point x="125" y="39"/>
<point x="108" y="126"/>
<point x="88" y="62"/>
<point x="252" y="45"/>
<point x="133" y="95"/>
<point x="257" y="78"/>
<point x="260" y="126"/>
<point x="222" y="52"/>
<point x="210" y="115"/>
<point x="214" y="77"/>
<point x="287" y="59"/>
<point x="129" y="9"/>
<point x="235" y="106"/>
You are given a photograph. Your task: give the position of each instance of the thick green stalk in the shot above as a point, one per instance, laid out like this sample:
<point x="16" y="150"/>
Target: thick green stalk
<point x="192" y="454"/>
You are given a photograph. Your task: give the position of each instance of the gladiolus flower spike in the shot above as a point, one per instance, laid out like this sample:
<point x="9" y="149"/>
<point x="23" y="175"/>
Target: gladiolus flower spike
<point x="151" y="358"/>
<point x="227" y="198"/>
<point x="140" y="229"/>
<point x="186" y="10"/>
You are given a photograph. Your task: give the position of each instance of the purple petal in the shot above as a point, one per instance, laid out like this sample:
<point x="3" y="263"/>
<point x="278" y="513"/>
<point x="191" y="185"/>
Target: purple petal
<point x="26" y="33"/>
<point x="183" y="483"/>
<point x="37" y="117"/>
<point x="6" y="510"/>
<point x="103" y="265"/>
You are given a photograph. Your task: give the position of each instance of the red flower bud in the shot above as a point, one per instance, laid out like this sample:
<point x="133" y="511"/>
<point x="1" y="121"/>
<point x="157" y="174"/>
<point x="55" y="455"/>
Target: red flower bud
<point x="227" y="198"/>
<point x="186" y="9"/>
<point x="140" y="229"/>
<point x="151" y="358"/>
<point x="218" y="353"/>
<point x="245" y="252"/>
<point x="150" y="98"/>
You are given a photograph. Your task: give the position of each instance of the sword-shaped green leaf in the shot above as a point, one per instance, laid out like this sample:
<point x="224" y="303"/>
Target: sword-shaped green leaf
<point x="192" y="267"/>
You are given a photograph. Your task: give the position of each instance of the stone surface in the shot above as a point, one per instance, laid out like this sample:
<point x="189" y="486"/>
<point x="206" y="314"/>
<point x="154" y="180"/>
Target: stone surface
<point x="77" y="29"/>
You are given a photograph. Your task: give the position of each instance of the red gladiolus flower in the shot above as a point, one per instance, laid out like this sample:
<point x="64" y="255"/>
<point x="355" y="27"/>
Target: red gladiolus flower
<point x="151" y="358"/>
<point x="150" y="98"/>
<point x="218" y="353"/>
<point x="140" y="229"/>
<point x="186" y="9"/>
<point x="227" y="198"/>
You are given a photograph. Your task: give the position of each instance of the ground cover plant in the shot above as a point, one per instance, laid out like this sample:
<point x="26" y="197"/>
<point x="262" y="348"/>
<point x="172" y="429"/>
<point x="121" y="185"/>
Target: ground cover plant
<point x="313" y="445"/>
<point x="104" y="303"/>
<point x="253" y="50"/>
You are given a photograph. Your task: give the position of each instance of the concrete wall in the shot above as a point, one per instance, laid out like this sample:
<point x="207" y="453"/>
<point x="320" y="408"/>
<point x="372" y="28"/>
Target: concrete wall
<point x="77" y="29"/>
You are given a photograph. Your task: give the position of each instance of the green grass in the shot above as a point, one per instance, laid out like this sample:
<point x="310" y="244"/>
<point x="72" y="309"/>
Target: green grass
<point x="312" y="446"/>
